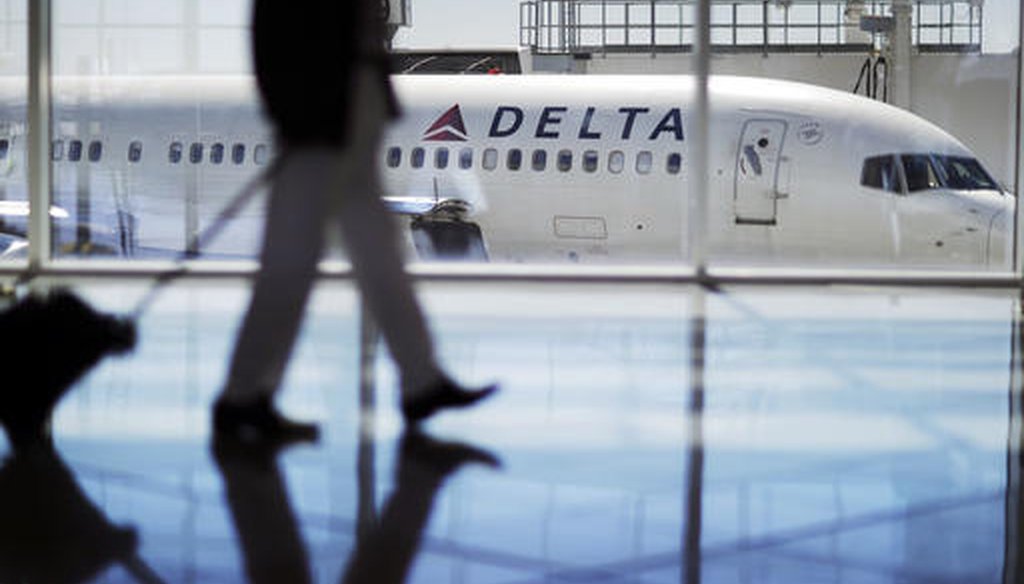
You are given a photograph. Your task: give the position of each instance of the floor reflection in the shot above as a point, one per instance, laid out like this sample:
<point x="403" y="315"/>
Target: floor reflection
<point x="50" y="531"/>
<point x="385" y="546"/>
<point x="649" y="434"/>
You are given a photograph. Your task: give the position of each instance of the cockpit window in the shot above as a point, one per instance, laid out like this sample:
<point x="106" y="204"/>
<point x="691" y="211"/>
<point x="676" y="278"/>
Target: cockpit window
<point x="926" y="172"/>
<point x="963" y="173"/>
<point x="880" y="172"/>
<point x="920" y="173"/>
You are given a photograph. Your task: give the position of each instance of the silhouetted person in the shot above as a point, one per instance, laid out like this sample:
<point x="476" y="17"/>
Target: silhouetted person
<point x="270" y="537"/>
<point x="322" y="74"/>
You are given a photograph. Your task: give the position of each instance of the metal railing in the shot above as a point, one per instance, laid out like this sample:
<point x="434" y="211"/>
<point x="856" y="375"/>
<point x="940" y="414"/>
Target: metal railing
<point x="623" y="26"/>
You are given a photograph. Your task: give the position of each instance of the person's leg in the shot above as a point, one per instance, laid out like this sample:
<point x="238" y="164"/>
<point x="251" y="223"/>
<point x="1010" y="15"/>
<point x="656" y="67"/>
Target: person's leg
<point x="373" y="246"/>
<point x="292" y="245"/>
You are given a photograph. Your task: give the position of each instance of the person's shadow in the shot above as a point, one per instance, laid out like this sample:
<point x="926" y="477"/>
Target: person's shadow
<point x="269" y="535"/>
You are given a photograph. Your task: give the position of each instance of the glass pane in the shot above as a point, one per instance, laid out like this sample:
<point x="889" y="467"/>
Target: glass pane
<point x="565" y="160"/>
<point x="490" y="159"/>
<point x="674" y="163"/>
<point x="616" y="161"/>
<point x="14" y="131"/>
<point x="539" y="161"/>
<point x="644" y="162"/>
<point x="515" y="159"/>
<point x="794" y="185"/>
<point x="394" y="157"/>
<point x="441" y="158"/>
<point x="137" y="78"/>
<point x="238" y="153"/>
<point x="135" y="151"/>
<point x="217" y="153"/>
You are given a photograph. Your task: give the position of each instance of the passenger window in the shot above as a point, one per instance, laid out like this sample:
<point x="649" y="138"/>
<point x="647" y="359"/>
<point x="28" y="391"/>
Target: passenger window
<point x="919" y="172"/>
<point x="238" y="153"/>
<point x="515" y="159"/>
<point x="490" y="161"/>
<point x="217" y="153"/>
<point x="644" y="162"/>
<point x="195" y="153"/>
<point x="95" y="151"/>
<point x="880" y="172"/>
<point x="441" y="158"/>
<point x="135" y="151"/>
<point x="75" y="150"/>
<point x="5" y="146"/>
<point x="674" y="163"/>
<point x="616" y="161"/>
<point x="417" y="158"/>
<point x="57" y="149"/>
<point x="590" y="159"/>
<point x="466" y="158"/>
<point x="540" y="159"/>
<point x="174" y="155"/>
<point x="564" y="160"/>
<point x="394" y="158"/>
<point x="261" y="154"/>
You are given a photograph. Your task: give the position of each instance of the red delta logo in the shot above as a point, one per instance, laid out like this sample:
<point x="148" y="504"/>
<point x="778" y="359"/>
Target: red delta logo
<point x="447" y="128"/>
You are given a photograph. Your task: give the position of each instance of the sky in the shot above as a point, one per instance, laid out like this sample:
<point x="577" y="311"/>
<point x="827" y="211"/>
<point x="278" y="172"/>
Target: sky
<point x="495" y="23"/>
<point x="462" y="23"/>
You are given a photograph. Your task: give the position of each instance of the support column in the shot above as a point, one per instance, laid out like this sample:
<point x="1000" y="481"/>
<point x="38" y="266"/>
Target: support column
<point x="1018" y="222"/>
<point x="851" y="22"/>
<point x="38" y="147"/>
<point x="900" y="51"/>
<point x="698" y="150"/>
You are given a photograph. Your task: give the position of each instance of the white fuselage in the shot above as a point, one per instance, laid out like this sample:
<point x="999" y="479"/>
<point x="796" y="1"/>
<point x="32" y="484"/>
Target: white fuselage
<point x="604" y="172"/>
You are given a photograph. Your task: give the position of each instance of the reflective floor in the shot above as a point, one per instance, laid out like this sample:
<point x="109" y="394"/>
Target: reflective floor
<point x="644" y="433"/>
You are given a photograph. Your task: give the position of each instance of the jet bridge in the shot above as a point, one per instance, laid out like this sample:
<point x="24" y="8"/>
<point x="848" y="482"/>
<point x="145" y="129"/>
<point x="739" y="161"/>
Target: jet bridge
<point x="582" y="27"/>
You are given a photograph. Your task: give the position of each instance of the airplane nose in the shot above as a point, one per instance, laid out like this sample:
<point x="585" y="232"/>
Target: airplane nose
<point x="999" y="253"/>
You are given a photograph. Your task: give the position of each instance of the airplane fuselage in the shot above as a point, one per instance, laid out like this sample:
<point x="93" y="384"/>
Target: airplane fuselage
<point x="544" y="168"/>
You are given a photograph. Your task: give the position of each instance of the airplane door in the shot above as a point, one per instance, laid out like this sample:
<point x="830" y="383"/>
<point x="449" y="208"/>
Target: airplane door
<point x="756" y="186"/>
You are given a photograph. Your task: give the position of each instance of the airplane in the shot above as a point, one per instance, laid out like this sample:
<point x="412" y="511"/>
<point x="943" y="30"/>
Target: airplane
<point x="523" y="168"/>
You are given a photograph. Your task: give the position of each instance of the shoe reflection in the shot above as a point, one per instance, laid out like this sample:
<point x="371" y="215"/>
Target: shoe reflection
<point x="268" y="531"/>
<point x="258" y="498"/>
<point x="50" y="531"/>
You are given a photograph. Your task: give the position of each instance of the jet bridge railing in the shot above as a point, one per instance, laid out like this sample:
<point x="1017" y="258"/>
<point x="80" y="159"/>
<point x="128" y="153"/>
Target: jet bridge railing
<point x="624" y="26"/>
